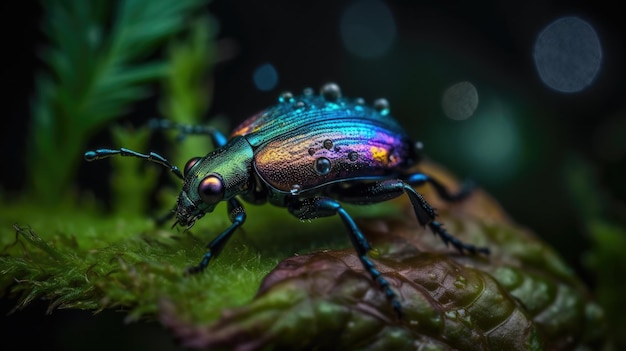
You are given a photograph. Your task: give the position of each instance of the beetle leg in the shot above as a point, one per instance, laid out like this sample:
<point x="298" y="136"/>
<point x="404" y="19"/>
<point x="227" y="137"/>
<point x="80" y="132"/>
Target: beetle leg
<point x="237" y="216"/>
<point x="321" y="207"/>
<point x="389" y="189"/>
<point x="217" y="138"/>
<point x="426" y="216"/>
<point x="417" y="179"/>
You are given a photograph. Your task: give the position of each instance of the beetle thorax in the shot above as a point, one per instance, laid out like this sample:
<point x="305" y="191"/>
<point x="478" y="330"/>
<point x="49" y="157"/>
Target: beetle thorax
<point x="219" y="176"/>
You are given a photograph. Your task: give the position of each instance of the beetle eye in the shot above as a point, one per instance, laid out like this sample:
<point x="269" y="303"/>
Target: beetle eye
<point x="211" y="189"/>
<point x="189" y="165"/>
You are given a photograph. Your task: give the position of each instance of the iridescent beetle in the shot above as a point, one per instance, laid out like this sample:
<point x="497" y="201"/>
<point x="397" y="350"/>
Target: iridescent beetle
<point x="307" y="154"/>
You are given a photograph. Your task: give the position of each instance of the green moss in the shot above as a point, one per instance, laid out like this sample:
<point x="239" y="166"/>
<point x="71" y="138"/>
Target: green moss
<point x="84" y="259"/>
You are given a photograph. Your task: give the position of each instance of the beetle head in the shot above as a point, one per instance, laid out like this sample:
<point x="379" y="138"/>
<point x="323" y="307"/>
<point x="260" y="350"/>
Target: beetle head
<point x="218" y="176"/>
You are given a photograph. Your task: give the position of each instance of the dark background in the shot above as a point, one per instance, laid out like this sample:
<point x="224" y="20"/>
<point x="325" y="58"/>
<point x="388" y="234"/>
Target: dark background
<point x="488" y="43"/>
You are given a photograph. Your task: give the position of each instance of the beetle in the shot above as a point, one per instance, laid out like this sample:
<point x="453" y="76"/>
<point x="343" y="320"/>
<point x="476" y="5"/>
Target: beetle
<point x="307" y="153"/>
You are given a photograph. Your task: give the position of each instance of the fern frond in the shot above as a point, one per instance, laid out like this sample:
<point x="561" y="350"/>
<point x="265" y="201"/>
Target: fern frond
<point x="100" y="57"/>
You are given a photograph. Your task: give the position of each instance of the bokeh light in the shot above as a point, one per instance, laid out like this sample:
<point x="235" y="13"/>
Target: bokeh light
<point x="265" y="77"/>
<point x="460" y="101"/>
<point x="492" y="143"/>
<point x="568" y="55"/>
<point x="368" y="28"/>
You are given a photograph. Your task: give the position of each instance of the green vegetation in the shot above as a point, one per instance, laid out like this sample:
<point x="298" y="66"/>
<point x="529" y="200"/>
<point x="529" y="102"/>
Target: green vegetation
<point x="99" y="63"/>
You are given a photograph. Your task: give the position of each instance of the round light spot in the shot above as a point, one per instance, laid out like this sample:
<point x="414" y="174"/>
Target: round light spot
<point x="568" y="55"/>
<point x="367" y="28"/>
<point x="491" y="142"/>
<point x="265" y="77"/>
<point x="460" y="101"/>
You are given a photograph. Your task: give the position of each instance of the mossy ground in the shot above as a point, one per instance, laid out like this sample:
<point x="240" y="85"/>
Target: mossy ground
<point x="80" y="257"/>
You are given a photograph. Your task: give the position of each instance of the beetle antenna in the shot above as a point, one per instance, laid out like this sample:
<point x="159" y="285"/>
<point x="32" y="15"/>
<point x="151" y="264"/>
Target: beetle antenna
<point x="100" y="154"/>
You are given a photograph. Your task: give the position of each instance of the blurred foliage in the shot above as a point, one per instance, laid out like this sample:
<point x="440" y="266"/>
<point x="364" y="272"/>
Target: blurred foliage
<point x="99" y="58"/>
<point x="607" y="261"/>
<point x="186" y="98"/>
<point x="605" y="258"/>
<point x="187" y="93"/>
<point x="188" y="87"/>
<point x="522" y="296"/>
<point x="132" y="181"/>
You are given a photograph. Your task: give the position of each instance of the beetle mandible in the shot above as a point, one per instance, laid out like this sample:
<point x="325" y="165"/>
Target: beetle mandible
<point x="307" y="153"/>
